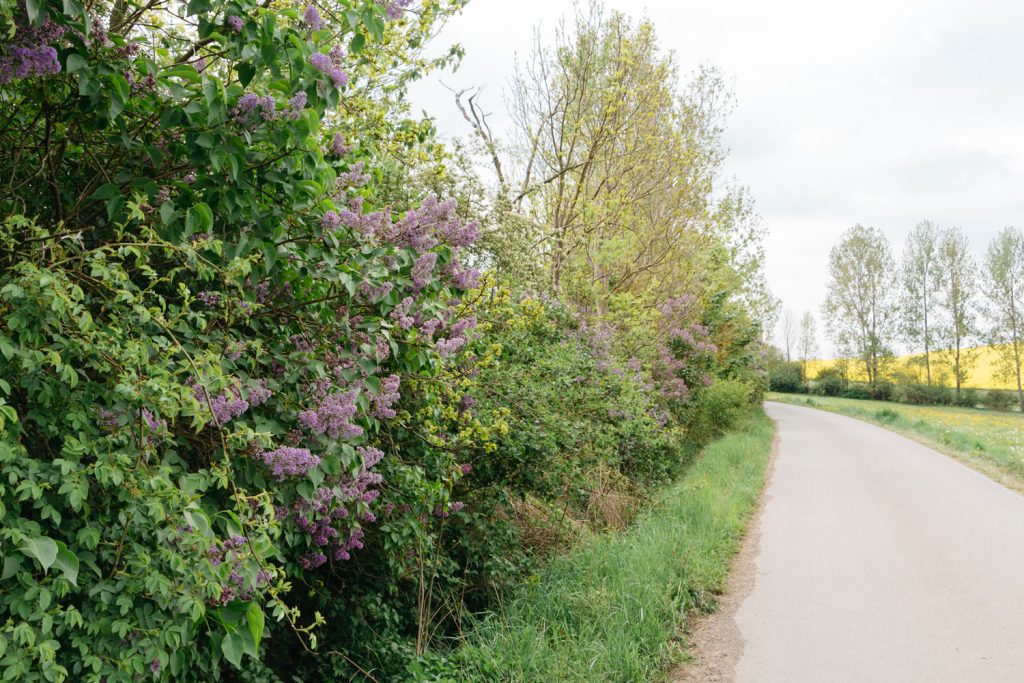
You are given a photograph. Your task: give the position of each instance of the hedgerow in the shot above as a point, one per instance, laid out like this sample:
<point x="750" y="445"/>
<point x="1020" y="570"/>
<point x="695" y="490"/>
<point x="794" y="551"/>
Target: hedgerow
<point x="260" y="417"/>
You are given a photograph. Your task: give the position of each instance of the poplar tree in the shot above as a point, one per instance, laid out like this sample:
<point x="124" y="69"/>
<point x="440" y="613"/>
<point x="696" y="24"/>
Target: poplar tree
<point x="954" y="301"/>
<point x="920" y="278"/>
<point x="858" y="307"/>
<point x="1004" y="287"/>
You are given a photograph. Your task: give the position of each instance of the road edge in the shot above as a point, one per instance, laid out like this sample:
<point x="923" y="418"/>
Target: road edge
<point x="713" y="642"/>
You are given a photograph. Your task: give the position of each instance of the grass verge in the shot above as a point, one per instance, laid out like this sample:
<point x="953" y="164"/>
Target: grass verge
<point x="990" y="442"/>
<point x="613" y="609"/>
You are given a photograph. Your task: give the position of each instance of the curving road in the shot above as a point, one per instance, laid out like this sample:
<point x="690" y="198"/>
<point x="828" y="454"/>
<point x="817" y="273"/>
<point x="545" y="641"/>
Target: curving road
<point x="878" y="559"/>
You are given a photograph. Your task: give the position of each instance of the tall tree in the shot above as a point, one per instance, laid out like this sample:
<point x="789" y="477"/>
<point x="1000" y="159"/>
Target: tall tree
<point x="788" y="332"/>
<point x="1004" y="286"/>
<point x="920" y="279"/>
<point x="954" y="301"/>
<point x="807" y="342"/>
<point x="858" y="307"/>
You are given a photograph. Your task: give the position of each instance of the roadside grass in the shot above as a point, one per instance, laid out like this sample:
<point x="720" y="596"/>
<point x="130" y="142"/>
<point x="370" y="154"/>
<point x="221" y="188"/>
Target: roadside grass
<point x="614" y="609"/>
<point x="990" y="442"/>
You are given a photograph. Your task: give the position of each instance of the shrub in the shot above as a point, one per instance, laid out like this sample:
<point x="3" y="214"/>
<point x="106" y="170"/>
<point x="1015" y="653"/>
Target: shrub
<point x="999" y="399"/>
<point x="721" y="406"/>
<point x="857" y="391"/>
<point x="786" y="378"/>
<point x="923" y="394"/>
<point x="830" y="382"/>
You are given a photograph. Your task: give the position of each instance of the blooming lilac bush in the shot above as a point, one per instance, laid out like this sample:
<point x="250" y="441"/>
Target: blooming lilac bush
<point x="206" y="394"/>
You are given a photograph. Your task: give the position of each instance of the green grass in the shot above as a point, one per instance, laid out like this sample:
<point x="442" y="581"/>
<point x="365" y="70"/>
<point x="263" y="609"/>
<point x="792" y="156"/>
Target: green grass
<point x="614" y="609"/>
<point x="988" y="441"/>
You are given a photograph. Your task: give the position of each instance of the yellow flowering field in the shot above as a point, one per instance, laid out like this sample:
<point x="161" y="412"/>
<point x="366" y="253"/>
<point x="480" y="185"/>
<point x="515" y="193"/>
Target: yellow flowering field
<point x="983" y="374"/>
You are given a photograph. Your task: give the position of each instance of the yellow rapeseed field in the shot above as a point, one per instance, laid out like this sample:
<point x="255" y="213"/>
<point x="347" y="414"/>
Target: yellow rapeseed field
<point x="983" y="374"/>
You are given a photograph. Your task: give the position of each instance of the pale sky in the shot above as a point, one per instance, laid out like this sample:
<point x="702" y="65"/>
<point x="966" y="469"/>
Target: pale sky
<point x="875" y="112"/>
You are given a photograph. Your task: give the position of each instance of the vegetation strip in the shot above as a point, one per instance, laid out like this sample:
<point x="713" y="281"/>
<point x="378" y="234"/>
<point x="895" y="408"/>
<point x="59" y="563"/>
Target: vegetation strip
<point x="613" y="610"/>
<point x="992" y="443"/>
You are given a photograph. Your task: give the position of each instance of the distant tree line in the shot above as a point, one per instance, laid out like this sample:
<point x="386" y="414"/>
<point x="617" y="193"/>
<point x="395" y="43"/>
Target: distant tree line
<point x="936" y="299"/>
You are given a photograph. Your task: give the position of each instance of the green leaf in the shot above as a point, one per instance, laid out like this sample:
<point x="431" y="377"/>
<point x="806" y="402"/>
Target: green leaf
<point x="43" y="549"/>
<point x="233" y="647"/>
<point x="107" y="191"/>
<point x="36" y="10"/>
<point x="246" y="72"/>
<point x="76" y="62"/>
<point x="67" y="563"/>
<point x="184" y="71"/>
<point x="73" y="8"/>
<point x="254" y="615"/>
<point x="120" y="88"/>
<point x="357" y="43"/>
<point x="199" y="218"/>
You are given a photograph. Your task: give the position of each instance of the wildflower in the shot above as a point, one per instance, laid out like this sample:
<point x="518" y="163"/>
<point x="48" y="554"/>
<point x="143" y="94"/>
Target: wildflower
<point x="235" y="23"/>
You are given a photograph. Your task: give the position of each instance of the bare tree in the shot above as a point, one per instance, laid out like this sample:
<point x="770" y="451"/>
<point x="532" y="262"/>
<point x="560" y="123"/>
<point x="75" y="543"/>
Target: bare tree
<point x="788" y="332"/>
<point x="1004" y="286"/>
<point x="807" y="341"/>
<point x="858" y="307"/>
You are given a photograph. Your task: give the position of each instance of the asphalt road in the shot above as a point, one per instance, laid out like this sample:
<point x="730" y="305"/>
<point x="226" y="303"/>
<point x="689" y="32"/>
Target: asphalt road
<point x="878" y="559"/>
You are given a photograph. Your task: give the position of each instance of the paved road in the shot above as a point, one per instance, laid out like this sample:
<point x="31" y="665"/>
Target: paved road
<point x="880" y="560"/>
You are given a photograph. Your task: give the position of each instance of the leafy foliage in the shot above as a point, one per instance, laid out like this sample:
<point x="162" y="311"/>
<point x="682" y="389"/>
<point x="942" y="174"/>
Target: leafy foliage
<point x="258" y="413"/>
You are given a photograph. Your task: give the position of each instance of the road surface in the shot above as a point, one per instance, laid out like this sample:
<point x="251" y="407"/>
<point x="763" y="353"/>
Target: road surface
<point x="879" y="559"/>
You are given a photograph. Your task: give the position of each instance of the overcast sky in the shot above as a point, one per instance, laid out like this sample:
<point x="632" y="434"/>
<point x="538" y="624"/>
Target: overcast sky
<point x="875" y="112"/>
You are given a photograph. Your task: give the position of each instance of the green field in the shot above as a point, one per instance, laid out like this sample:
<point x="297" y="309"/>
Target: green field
<point x="614" y="609"/>
<point x="991" y="442"/>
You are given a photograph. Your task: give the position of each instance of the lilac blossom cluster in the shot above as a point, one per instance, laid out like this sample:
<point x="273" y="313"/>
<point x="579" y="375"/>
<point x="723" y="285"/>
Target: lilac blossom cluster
<point x="31" y="53"/>
<point x="251" y="106"/>
<point x="286" y="461"/>
<point x="330" y="66"/>
<point x="231" y="403"/>
<point x="382" y="403"/>
<point x="333" y="416"/>
<point x="395" y="8"/>
<point x="312" y="19"/>
<point x="229" y="551"/>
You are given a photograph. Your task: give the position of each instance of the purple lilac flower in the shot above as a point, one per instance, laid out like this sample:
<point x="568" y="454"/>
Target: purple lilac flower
<point x="311" y="18"/>
<point x="339" y="146"/>
<point x="333" y="416"/>
<point x="448" y="347"/>
<point x="154" y="666"/>
<point x="370" y="455"/>
<point x="466" y="403"/>
<point x="28" y="62"/>
<point x="150" y="420"/>
<point x="465" y="468"/>
<point x="108" y="418"/>
<point x="324" y="65"/>
<point x="423" y="269"/>
<point x="258" y="392"/>
<point x="189" y="178"/>
<point x="295" y="105"/>
<point x="287" y="461"/>
<point x="383" y="402"/>
<point x="235" y="23"/>
<point x="355" y="177"/>
<point x="396" y="7"/>
<point x="312" y="560"/>
<point x="330" y="220"/>
<point x="400" y="313"/>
